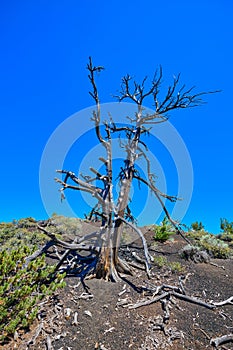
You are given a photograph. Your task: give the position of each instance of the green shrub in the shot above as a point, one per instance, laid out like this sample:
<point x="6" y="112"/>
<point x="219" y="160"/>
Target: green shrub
<point x="21" y="232"/>
<point x="226" y="226"/>
<point x="215" y="247"/>
<point x="197" y="235"/>
<point x="194" y="253"/>
<point x="197" y="226"/>
<point x="26" y="232"/>
<point x="22" y="287"/>
<point x="164" y="231"/>
<point x="65" y="225"/>
<point x="226" y="237"/>
<point x="25" y="223"/>
<point x="161" y="262"/>
<point x="176" y="266"/>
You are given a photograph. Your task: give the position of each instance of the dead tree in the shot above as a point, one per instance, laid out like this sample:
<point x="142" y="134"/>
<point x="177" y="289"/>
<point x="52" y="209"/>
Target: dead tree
<point x="104" y="261"/>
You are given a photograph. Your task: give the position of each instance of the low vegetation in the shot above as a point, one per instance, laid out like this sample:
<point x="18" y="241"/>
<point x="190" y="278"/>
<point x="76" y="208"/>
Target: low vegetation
<point x="164" y="231"/>
<point x="217" y="246"/>
<point x="22" y="286"/>
<point x="162" y="262"/>
<point x="197" y="226"/>
<point x="194" y="253"/>
<point x="20" y="232"/>
<point x="227" y="234"/>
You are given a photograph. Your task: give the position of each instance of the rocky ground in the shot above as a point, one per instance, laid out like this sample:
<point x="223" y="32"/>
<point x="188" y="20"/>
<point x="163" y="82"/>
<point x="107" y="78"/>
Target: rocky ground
<point x="102" y="315"/>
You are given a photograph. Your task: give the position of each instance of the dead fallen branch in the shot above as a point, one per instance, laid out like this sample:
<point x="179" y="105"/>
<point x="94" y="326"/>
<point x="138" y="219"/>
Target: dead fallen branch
<point x="160" y="293"/>
<point x="149" y="301"/>
<point x="221" y="340"/>
<point x="32" y="341"/>
<point x="225" y="302"/>
<point x="49" y="343"/>
<point x="176" y="295"/>
<point x="193" y="300"/>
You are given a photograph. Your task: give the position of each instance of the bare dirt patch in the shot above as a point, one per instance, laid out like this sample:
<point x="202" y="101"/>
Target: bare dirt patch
<point x="100" y="318"/>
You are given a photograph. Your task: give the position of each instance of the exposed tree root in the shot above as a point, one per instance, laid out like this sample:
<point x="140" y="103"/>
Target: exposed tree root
<point x="84" y="257"/>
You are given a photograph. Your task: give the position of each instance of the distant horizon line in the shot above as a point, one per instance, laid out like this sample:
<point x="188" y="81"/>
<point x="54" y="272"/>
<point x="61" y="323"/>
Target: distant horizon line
<point x="185" y="226"/>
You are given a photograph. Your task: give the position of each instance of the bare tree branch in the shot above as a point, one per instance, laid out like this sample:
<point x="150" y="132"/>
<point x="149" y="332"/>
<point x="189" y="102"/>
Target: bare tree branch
<point x="176" y="97"/>
<point x="115" y="213"/>
<point x="66" y="245"/>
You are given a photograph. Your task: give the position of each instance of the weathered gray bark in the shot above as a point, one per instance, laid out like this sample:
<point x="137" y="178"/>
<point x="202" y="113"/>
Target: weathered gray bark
<point x="108" y="264"/>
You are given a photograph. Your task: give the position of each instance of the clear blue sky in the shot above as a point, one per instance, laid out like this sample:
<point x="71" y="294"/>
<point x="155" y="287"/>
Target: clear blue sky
<point x="44" y="50"/>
